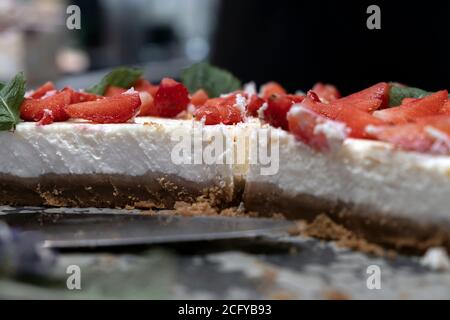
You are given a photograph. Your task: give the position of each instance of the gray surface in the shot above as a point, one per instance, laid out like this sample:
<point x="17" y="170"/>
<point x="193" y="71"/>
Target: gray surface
<point x="286" y="268"/>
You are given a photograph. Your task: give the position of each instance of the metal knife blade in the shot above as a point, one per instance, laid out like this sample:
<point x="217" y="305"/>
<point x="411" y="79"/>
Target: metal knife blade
<point x="85" y="230"/>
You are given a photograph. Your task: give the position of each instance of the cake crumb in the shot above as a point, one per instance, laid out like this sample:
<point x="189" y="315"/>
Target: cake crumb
<point x="195" y="209"/>
<point x="324" y="228"/>
<point x="336" y="295"/>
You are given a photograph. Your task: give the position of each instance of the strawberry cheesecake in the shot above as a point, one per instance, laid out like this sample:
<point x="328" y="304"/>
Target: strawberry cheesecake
<point x="377" y="161"/>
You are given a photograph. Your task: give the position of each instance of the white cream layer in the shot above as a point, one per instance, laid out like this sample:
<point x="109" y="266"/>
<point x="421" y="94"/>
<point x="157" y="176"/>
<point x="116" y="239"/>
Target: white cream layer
<point x="84" y="148"/>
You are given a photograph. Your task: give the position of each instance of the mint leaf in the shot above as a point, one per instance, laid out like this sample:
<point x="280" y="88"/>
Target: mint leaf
<point x="398" y="93"/>
<point x="119" y="77"/>
<point x="11" y="97"/>
<point x="2" y="84"/>
<point x="213" y="80"/>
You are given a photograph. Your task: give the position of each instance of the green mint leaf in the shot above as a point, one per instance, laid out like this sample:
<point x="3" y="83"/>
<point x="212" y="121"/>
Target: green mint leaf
<point x="119" y="77"/>
<point x="2" y="84"/>
<point x="398" y="93"/>
<point x="213" y="80"/>
<point x="11" y="97"/>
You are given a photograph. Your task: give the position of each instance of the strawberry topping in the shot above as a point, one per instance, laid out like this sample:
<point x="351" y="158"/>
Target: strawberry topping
<point x="112" y="91"/>
<point x="144" y="85"/>
<point x="270" y="89"/>
<point x="42" y="90"/>
<point x="199" y="98"/>
<point x="33" y="109"/>
<point x="117" y="109"/>
<point x="171" y="99"/>
<point x="223" y="110"/>
<point x="410" y="111"/>
<point x="314" y="129"/>
<point x="326" y="92"/>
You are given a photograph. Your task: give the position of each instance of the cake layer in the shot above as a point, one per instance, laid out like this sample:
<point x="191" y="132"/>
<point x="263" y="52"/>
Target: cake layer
<point x="84" y="164"/>
<point x="370" y="180"/>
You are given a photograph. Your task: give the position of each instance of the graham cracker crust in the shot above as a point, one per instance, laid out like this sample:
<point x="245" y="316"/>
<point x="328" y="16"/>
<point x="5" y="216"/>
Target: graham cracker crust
<point x="335" y="220"/>
<point x="151" y="191"/>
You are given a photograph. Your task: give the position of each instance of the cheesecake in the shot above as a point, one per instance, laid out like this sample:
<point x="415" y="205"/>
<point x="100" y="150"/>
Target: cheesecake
<point x="380" y="169"/>
<point x="385" y="195"/>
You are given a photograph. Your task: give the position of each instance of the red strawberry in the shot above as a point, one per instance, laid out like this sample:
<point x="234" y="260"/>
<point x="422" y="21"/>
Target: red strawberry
<point x="42" y="90"/>
<point x="144" y="85"/>
<point x="148" y="105"/>
<point x="446" y="108"/>
<point x="199" y="98"/>
<point x="408" y="100"/>
<point x="277" y="109"/>
<point x="367" y="100"/>
<point x="326" y="92"/>
<point x="296" y="98"/>
<point x="303" y="123"/>
<point x="440" y="122"/>
<point x="112" y="91"/>
<point x="409" y="136"/>
<point x="171" y="99"/>
<point x="254" y="105"/>
<point x="47" y="118"/>
<point x="270" y="89"/>
<point x="78" y="96"/>
<point x="353" y="117"/>
<point x="220" y="110"/>
<point x="409" y="112"/>
<point x="117" y="109"/>
<point x="33" y="109"/>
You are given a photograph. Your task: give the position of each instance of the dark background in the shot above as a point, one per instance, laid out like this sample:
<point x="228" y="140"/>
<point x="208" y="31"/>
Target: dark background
<point x="301" y="42"/>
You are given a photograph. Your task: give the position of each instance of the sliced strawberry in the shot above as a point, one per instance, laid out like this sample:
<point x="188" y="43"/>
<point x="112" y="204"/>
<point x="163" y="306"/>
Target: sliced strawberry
<point x="148" y="105"/>
<point x="112" y="91"/>
<point x="379" y="91"/>
<point x="408" y="100"/>
<point x="367" y="100"/>
<point x="296" y="98"/>
<point x="117" y="109"/>
<point x="445" y="108"/>
<point x="33" y="109"/>
<point x="42" y="90"/>
<point x="326" y="92"/>
<point x="144" y="85"/>
<point x="254" y="105"/>
<point x="409" y="112"/>
<point x="79" y="96"/>
<point x="270" y="89"/>
<point x="171" y="99"/>
<point x="440" y="122"/>
<point x="220" y="110"/>
<point x="354" y="118"/>
<point x="277" y="109"/>
<point x="47" y="118"/>
<point x="199" y="98"/>
<point x="409" y="136"/>
<point x="306" y="126"/>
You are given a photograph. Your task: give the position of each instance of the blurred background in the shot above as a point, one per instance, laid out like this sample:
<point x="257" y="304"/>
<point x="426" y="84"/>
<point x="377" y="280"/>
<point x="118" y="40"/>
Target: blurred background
<point x="296" y="43"/>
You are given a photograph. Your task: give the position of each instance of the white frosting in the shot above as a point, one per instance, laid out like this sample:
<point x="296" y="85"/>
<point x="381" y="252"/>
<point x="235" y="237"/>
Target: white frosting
<point x="367" y="173"/>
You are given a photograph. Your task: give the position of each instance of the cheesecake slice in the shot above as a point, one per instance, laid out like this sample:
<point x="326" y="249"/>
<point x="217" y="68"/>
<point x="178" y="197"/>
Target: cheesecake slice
<point x="389" y="196"/>
<point x="381" y="171"/>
